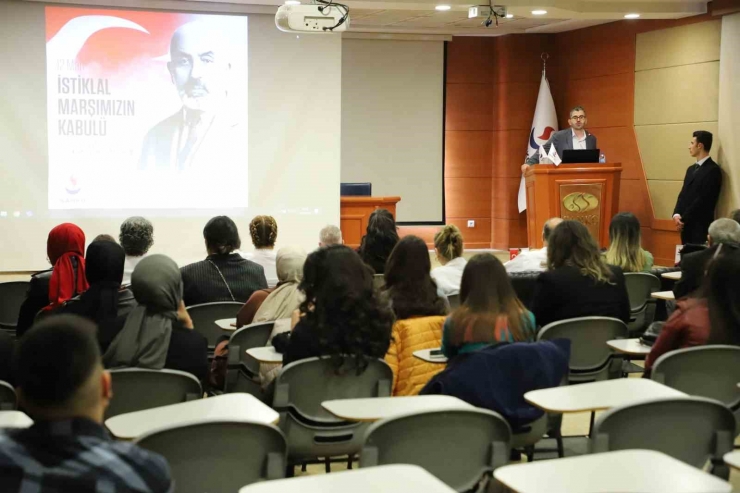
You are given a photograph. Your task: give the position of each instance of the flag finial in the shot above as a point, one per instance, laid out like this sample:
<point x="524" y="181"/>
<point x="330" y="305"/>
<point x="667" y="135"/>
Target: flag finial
<point x="544" y="56"/>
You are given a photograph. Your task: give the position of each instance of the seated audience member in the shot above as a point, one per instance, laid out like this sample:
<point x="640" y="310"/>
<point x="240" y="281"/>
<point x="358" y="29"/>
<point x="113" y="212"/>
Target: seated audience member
<point x="710" y="315"/>
<point x="341" y="313"/>
<point x="379" y="240"/>
<point x="6" y="352"/>
<point x="136" y="237"/>
<point x="50" y="288"/>
<point x="448" y="246"/>
<point x="578" y="283"/>
<point x="489" y="310"/>
<point x="693" y="265"/>
<point x="624" y="249"/>
<point x="158" y="333"/>
<point x="62" y="385"/>
<point x="330" y="235"/>
<point x="104" y="300"/>
<point x="264" y="230"/>
<point x="280" y="302"/>
<point x="408" y="284"/>
<point x="104" y="237"/>
<point x="224" y="275"/>
<point x="534" y="260"/>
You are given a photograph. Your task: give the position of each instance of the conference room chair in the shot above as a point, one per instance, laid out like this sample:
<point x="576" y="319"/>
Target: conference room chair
<point x="692" y="429"/>
<point x="705" y="371"/>
<point x="205" y="315"/>
<point x="459" y="447"/>
<point x="8" y="399"/>
<point x="378" y="281"/>
<point x="311" y="431"/>
<point x="136" y="389"/>
<point x="454" y="301"/>
<point x="642" y="307"/>
<point x="12" y="295"/>
<point x="219" y="456"/>
<point x="250" y="336"/>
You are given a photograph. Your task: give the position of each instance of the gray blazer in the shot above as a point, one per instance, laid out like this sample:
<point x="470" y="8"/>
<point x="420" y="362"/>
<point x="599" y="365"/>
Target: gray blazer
<point x="562" y="140"/>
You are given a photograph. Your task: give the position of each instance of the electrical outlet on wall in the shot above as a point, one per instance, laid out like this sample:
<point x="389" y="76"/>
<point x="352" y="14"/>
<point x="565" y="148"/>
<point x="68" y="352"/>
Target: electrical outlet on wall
<point x="471" y="223"/>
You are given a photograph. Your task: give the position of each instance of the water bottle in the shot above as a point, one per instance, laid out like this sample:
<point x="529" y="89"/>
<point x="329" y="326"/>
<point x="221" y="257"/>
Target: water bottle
<point x="602" y="159"/>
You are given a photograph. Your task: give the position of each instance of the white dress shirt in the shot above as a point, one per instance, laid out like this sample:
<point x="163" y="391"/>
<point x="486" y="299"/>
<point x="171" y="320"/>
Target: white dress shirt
<point x="579" y="143"/>
<point x="267" y="259"/>
<point x="128" y="267"/>
<point x="528" y="261"/>
<point x="448" y="276"/>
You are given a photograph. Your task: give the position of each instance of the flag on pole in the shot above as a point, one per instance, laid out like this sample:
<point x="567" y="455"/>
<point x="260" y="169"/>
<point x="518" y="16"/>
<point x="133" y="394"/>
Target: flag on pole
<point x="544" y="123"/>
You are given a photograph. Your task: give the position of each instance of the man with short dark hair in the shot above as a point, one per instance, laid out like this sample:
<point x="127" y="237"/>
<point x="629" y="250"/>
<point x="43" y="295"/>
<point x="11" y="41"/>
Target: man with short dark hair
<point x="61" y="384"/>
<point x="534" y="260"/>
<point x="695" y="205"/>
<point x="574" y="137"/>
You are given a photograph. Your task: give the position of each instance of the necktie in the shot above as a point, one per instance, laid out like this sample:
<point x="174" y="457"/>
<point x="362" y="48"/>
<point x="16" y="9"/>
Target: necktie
<point x="192" y="126"/>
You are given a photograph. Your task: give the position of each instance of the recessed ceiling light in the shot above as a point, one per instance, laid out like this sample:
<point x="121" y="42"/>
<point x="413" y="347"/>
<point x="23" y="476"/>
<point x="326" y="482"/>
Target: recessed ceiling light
<point x="509" y="16"/>
<point x="443" y="7"/>
<point x="632" y="16"/>
<point x="539" y="12"/>
<point x="292" y="2"/>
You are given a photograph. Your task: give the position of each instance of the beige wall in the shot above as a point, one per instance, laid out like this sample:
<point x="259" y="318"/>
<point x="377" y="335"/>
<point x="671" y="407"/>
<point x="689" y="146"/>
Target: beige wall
<point x="677" y="91"/>
<point x="729" y="113"/>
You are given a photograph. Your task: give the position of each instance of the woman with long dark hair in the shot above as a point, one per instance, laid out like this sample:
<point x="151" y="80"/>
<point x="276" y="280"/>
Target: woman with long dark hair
<point x="578" y="283"/>
<point x="408" y="283"/>
<point x="625" y="249"/>
<point x="379" y="240"/>
<point x="341" y="314"/>
<point x="489" y="310"/>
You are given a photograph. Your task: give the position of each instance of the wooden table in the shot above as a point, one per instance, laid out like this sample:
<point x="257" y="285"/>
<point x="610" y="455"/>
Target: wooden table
<point x="395" y="478"/>
<point x="632" y="347"/>
<point x="233" y="407"/>
<point x="265" y="354"/>
<point x="225" y="323"/>
<point x="673" y="276"/>
<point x="663" y="295"/>
<point x="624" y="471"/>
<point x="14" y="419"/>
<point x="598" y="396"/>
<point x="376" y="408"/>
<point x="424" y="354"/>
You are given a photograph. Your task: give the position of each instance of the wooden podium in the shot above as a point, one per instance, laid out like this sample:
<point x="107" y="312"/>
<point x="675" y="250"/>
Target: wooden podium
<point x="354" y="213"/>
<point x="588" y="193"/>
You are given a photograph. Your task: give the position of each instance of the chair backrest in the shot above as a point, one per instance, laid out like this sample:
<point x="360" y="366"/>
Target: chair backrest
<point x="378" y="281"/>
<point x="136" y="389"/>
<point x="589" y="353"/>
<point x="254" y="335"/>
<point x="639" y="286"/>
<point x="205" y="315"/>
<point x="420" y="439"/>
<point x="705" y="371"/>
<point x="12" y="295"/>
<point x="8" y="399"/>
<point x="220" y="457"/>
<point x="303" y="385"/>
<point x="454" y="300"/>
<point x="691" y="429"/>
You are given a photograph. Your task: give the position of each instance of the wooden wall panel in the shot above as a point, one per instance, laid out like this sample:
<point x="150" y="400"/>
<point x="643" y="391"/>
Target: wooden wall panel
<point x="509" y="149"/>
<point x="513" y="105"/>
<point x="467" y="153"/>
<point x="608" y="100"/>
<point x="469" y="60"/>
<point x="469" y="107"/>
<point x="634" y="198"/>
<point x="476" y="237"/>
<point x="468" y="197"/>
<point x="509" y="233"/>
<point x="517" y="57"/>
<point x="504" y="199"/>
<point x="606" y="49"/>
<point x="619" y="146"/>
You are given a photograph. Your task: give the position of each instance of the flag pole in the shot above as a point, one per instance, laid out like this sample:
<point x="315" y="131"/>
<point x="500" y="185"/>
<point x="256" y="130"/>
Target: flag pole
<point x="544" y="56"/>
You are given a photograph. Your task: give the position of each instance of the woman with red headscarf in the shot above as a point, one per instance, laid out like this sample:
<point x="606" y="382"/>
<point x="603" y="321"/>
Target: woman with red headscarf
<point x="50" y="288"/>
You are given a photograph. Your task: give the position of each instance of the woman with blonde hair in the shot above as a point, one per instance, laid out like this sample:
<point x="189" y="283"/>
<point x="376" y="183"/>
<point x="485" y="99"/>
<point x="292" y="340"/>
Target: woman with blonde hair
<point x="264" y="231"/>
<point x="578" y="283"/>
<point x="448" y="246"/>
<point x="625" y="250"/>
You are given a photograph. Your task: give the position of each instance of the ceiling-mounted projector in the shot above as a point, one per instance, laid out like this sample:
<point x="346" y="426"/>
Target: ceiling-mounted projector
<point x="312" y="18"/>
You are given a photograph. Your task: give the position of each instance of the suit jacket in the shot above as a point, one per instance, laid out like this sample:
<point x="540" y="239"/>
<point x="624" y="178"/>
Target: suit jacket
<point x="697" y="200"/>
<point x="566" y="293"/>
<point x="693" y="266"/>
<point x="562" y="140"/>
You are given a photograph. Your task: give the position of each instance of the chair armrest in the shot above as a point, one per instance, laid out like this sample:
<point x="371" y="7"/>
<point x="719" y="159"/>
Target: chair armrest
<point x="500" y="454"/>
<point x="275" y="465"/>
<point x="384" y="388"/>
<point x="280" y="399"/>
<point x="368" y="456"/>
<point x="233" y="361"/>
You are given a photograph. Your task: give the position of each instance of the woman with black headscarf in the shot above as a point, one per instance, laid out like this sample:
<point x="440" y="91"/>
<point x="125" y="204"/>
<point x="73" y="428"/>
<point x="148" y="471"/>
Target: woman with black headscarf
<point x="104" y="300"/>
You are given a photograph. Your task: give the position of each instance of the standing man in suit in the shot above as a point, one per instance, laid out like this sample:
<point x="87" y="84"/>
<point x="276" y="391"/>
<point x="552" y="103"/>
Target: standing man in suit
<point x="694" y="210"/>
<point x="574" y="137"/>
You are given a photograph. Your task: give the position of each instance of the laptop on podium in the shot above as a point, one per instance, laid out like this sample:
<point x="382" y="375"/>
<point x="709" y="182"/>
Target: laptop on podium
<point x="574" y="156"/>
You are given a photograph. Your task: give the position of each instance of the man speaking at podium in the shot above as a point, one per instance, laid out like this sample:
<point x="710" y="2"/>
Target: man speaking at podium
<point x="574" y="137"/>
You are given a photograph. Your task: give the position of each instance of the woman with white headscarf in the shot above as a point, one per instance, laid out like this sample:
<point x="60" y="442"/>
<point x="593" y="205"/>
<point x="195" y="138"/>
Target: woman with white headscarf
<point x="158" y="333"/>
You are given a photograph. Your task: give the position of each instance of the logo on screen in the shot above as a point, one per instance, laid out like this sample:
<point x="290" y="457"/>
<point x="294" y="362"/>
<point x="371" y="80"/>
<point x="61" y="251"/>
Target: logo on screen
<point x="72" y="186"/>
